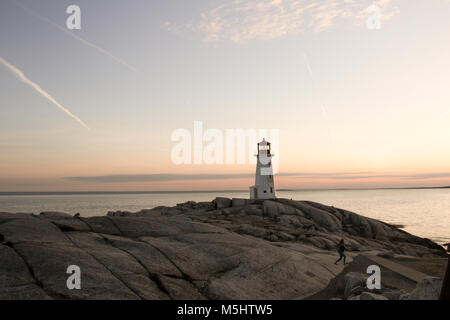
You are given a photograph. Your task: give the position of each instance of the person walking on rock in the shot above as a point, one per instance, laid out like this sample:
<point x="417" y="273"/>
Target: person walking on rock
<point x="341" y="250"/>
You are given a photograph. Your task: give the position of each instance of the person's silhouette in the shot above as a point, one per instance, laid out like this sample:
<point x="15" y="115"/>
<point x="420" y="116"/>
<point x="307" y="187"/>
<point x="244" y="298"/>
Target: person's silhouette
<point x="341" y="250"/>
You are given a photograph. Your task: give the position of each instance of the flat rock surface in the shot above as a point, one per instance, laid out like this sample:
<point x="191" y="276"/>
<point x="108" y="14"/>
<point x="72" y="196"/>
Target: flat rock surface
<point x="226" y="249"/>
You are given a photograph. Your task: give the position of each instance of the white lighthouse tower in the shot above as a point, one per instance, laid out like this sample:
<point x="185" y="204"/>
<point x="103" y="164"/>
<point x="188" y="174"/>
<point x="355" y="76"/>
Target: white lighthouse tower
<point x="264" y="187"/>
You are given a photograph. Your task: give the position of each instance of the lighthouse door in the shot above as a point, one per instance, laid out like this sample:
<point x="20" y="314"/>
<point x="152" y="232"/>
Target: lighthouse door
<point x="255" y="193"/>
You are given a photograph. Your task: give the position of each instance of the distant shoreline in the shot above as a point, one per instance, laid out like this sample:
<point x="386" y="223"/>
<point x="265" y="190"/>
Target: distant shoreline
<point x="50" y="193"/>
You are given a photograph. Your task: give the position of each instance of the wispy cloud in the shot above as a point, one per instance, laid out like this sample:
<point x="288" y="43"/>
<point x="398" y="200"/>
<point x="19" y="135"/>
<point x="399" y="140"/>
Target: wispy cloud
<point x="76" y="37"/>
<point x="156" y="177"/>
<point x="19" y="74"/>
<point x="297" y="175"/>
<point x="244" y="20"/>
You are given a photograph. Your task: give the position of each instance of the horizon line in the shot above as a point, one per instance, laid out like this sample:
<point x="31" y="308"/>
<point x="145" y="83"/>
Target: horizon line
<point x="158" y="177"/>
<point x="6" y="193"/>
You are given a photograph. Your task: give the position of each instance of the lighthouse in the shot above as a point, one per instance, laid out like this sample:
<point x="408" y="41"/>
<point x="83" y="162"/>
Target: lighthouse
<point x="264" y="187"/>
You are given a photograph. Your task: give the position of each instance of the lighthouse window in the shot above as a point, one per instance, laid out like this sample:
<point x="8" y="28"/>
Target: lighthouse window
<point x="265" y="191"/>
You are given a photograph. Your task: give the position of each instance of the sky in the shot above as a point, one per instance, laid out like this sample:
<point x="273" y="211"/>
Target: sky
<point x="354" y="105"/>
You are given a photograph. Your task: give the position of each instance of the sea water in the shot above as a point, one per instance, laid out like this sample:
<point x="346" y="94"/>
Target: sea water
<point x="422" y="212"/>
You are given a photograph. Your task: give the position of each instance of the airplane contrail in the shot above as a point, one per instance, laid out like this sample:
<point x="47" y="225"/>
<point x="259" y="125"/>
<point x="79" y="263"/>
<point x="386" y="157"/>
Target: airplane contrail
<point x="307" y="64"/>
<point x="322" y="107"/>
<point x="42" y="92"/>
<point x="71" y="34"/>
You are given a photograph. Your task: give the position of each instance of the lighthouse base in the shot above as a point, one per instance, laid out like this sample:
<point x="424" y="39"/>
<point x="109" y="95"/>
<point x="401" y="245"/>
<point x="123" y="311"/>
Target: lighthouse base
<point x="257" y="193"/>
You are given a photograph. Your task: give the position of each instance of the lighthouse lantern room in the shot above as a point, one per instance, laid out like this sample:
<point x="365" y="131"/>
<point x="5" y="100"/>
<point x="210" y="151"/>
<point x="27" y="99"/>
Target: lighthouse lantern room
<point x="264" y="186"/>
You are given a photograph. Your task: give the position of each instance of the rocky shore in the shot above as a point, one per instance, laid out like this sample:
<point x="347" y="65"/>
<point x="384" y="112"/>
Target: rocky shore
<point x="224" y="249"/>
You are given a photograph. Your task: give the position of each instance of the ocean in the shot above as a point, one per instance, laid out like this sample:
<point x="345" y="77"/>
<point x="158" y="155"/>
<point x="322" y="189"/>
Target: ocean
<point x="422" y="212"/>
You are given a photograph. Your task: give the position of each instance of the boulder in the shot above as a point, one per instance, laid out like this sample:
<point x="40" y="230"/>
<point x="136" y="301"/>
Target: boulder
<point x="159" y="226"/>
<point x="181" y="289"/>
<point x="252" y="231"/>
<point x="427" y="289"/>
<point x="49" y="264"/>
<point x="353" y="280"/>
<point x="273" y="209"/>
<point x="71" y="225"/>
<point x="283" y="236"/>
<point x="101" y="225"/>
<point x="232" y="210"/>
<point x="121" y="214"/>
<point x="318" y="216"/>
<point x="386" y="254"/>
<point x="55" y="215"/>
<point x="293" y="221"/>
<point x="6" y="216"/>
<point x="221" y="203"/>
<point x="236" y="202"/>
<point x="35" y="230"/>
<point x="393" y="294"/>
<point x="271" y="237"/>
<point x="13" y="270"/>
<point x="372" y="296"/>
<point x="356" y="291"/>
<point x="254" y="209"/>
<point x="270" y="209"/>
